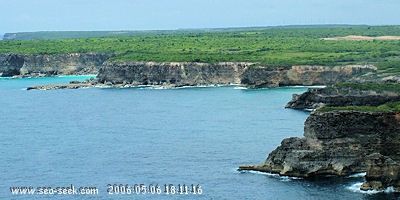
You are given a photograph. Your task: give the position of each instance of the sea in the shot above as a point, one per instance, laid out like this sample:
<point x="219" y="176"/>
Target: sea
<point x="152" y="143"/>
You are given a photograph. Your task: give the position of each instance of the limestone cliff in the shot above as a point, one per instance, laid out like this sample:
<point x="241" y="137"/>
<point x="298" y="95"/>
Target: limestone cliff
<point x="10" y="64"/>
<point x="171" y="73"/>
<point x="181" y="74"/>
<point x="341" y="143"/>
<point x="382" y="172"/>
<point x="51" y="64"/>
<point x="259" y="77"/>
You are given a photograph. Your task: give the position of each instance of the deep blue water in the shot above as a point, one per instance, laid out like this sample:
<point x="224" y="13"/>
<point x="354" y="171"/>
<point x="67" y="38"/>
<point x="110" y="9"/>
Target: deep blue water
<point x="100" y="136"/>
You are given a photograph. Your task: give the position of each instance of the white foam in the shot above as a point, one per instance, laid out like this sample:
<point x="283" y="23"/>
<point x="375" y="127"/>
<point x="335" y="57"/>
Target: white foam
<point x="357" y="188"/>
<point x="358" y="175"/>
<point x="390" y="189"/>
<point x="240" y="88"/>
<point x="102" y="86"/>
<point x="201" y="86"/>
<point x="282" y="178"/>
<point x="159" y="87"/>
<point x="317" y="86"/>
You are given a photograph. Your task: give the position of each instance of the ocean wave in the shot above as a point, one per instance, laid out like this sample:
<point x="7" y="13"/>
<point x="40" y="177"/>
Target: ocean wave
<point x="357" y="188"/>
<point x="102" y="86"/>
<point x="358" y="175"/>
<point x="149" y="87"/>
<point x="240" y="88"/>
<point x="200" y="86"/>
<point x="282" y="178"/>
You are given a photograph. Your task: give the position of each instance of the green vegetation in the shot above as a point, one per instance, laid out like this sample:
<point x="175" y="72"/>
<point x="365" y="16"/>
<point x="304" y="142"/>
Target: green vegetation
<point x="387" y="107"/>
<point x="52" y="35"/>
<point x="284" y="46"/>
<point x="347" y="88"/>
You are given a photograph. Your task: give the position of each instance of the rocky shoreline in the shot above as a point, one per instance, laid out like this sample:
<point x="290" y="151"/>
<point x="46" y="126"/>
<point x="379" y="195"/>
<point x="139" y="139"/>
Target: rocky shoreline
<point x="93" y="83"/>
<point x="172" y="74"/>
<point x="355" y="127"/>
<point x="342" y="143"/>
<point x="339" y="142"/>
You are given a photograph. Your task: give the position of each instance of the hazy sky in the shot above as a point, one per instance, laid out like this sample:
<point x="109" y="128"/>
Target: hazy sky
<point x="42" y="15"/>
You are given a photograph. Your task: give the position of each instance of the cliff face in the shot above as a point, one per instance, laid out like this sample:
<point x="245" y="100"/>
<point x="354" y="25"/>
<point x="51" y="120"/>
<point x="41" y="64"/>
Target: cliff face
<point x="46" y="64"/>
<point x="10" y="64"/>
<point x="173" y="73"/>
<point x="336" y="143"/>
<point x="259" y="77"/>
<point x="342" y="143"/>
<point x="315" y="98"/>
<point x="180" y="74"/>
<point x="176" y="74"/>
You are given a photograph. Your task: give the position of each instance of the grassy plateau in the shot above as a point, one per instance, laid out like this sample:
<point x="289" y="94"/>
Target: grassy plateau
<point x="270" y="46"/>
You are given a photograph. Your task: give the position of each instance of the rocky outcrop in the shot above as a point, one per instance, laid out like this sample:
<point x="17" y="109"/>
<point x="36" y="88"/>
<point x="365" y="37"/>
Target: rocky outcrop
<point x="382" y="172"/>
<point x="336" y="142"/>
<point x="260" y="77"/>
<point x="51" y="64"/>
<point x="342" y="143"/>
<point x="181" y="74"/>
<point x="315" y="98"/>
<point x="72" y="85"/>
<point x="60" y="86"/>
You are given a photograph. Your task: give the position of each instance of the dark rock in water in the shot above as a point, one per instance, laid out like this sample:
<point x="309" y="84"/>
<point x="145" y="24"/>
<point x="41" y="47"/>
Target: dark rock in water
<point x="92" y="82"/>
<point x="340" y="143"/>
<point x="75" y="82"/>
<point x="60" y="86"/>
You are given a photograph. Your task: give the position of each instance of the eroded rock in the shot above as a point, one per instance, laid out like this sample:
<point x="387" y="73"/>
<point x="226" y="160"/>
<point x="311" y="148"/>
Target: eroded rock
<point x="340" y="143"/>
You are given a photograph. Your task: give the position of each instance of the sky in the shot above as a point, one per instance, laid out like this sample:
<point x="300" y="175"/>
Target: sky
<point x="74" y="15"/>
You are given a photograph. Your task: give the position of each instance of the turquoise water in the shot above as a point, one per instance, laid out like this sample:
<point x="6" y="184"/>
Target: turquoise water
<point x="100" y="136"/>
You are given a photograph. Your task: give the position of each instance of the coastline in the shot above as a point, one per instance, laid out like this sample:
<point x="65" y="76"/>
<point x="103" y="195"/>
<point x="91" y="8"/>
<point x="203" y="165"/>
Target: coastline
<point x="151" y="109"/>
<point x="262" y="168"/>
<point x="182" y="74"/>
<point x="342" y="140"/>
